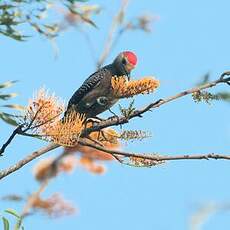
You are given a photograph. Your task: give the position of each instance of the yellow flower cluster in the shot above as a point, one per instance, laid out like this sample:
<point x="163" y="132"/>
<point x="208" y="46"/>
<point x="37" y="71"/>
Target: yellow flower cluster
<point x="54" y="206"/>
<point x="123" y="88"/>
<point x="67" y="131"/>
<point x="43" y="117"/>
<point x="43" y="109"/>
<point x="108" y="137"/>
<point x="48" y="168"/>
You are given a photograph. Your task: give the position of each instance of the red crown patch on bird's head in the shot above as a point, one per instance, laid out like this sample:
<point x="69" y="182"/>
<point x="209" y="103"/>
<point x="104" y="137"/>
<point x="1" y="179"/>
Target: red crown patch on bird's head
<point x="131" y="57"/>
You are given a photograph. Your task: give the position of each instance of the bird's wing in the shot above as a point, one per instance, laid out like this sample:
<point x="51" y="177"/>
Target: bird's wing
<point x="91" y="82"/>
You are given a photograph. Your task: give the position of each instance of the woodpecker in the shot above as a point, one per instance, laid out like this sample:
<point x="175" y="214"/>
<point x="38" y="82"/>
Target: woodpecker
<point x="95" y="94"/>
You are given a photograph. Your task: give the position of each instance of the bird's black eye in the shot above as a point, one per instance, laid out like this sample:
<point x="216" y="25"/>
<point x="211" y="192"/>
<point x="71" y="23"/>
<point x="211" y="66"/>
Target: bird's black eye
<point x="124" y="62"/>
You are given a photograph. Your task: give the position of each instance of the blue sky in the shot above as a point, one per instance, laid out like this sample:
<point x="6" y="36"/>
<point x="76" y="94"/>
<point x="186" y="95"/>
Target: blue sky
<point x="190" y="39"/>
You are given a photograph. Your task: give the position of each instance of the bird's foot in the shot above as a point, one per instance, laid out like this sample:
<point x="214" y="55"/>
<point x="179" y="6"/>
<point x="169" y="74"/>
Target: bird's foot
<point x="93" y="120"/>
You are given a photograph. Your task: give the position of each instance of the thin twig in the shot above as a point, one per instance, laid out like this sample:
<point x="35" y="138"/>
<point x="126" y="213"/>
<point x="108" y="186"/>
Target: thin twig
<point x="109" y="42"/>
<point x="43" y="123"/>
<point x="30" y="203"/>
<point x="12" y="136"/>
<point x="32" y="197"/>
<point x="21" y="131"/>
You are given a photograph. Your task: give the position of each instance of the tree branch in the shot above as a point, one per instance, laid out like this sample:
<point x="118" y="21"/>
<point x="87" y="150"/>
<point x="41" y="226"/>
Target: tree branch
<point x="156" y="156"/>
<point x="121" y="120"/>
<point x="109" y="42"/>
<point x="27" y="159"/>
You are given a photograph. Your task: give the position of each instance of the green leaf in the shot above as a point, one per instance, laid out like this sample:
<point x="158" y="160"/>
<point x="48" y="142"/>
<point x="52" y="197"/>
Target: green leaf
<point x="83" y="17"/>
<point x="14" y="106"/>
<point x="7" y="96"/>
<point x="8" y="118"/>
<point x="7" y="84"/>
<point x="18" y="224"/>
<point x="5" y="223"/>
<point x="89" y="21"/>
<point x="13" y="213"/>
<point x="73" y="1"/>
<point x="6" y="6"/>
<point x="127" y="112"/>
<point x="17" y="37"/>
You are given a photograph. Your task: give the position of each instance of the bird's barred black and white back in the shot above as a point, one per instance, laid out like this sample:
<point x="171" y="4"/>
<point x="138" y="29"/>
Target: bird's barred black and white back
<point x="91" y="82"/>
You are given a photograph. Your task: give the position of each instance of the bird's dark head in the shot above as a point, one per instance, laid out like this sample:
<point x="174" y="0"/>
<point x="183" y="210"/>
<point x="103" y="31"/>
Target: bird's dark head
<point x="125" y="62"/>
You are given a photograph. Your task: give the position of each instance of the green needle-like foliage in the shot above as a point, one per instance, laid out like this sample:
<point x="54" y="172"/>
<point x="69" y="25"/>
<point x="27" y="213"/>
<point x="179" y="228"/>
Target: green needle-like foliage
<point x="7" y="117"/>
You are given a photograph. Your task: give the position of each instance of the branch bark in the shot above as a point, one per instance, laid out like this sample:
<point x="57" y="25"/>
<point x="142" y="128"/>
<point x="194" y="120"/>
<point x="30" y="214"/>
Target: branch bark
<point x="27" y="159"/>
<point x="156" y="156"/>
